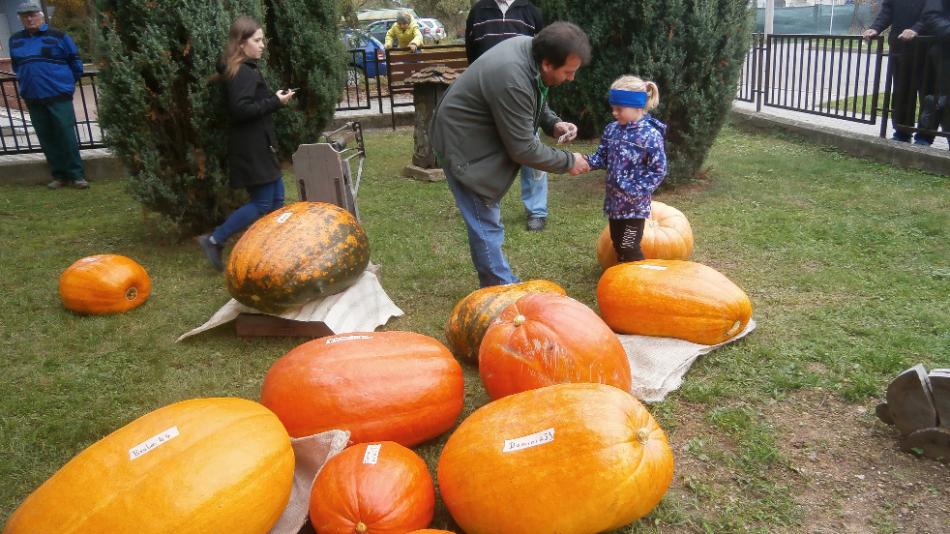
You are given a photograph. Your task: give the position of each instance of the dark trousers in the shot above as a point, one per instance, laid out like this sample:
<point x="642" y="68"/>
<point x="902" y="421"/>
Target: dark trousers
<point x="911" y="80"/>
<point x="55" y="126"/>
<point x="626" y="235"/>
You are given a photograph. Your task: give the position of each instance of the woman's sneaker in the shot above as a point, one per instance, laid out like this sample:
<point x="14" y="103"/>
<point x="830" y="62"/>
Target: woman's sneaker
<point x="212" y="251"/>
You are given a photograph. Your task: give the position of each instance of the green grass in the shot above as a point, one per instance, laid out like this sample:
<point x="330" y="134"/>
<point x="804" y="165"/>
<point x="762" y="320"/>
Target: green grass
<point x="847" y="264"/>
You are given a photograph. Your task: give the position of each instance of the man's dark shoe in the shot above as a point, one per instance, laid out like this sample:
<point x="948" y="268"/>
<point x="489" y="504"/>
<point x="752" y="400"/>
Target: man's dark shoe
<point x="212" y="251"/>
<point x="536" y="224"/>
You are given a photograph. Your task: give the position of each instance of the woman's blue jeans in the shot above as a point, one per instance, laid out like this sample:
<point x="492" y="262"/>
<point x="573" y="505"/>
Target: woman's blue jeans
<point x="265" y="198"/>
<point x="486" y="234"/>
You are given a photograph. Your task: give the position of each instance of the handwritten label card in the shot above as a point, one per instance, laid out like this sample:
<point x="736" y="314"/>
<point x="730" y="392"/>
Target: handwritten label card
<point x="153" y="442"/>
<point x="371" y="456"/>
<point x="531" y="440"/>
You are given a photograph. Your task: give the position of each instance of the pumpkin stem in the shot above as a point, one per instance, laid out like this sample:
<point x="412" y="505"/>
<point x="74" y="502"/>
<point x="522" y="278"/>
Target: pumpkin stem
<point x="643" y="435"/>
<point x="735" y="328"/>
<point x="519" y="320"/>
<point x="361" y="527"/>
<point x="131" y="293"/>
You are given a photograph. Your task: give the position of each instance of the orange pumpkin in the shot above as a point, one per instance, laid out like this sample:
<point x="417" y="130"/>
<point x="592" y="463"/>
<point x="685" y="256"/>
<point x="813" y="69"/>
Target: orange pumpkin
<point x="569" y="458"/>
<point x="398" y="386"/>
<point x="671" y="298"/>
<point x="105" y="283"/>
<point x="545" y="339"/>
<point x="473" y="314"/>
<point x="376" y="488"/>
<point x="431" y="531"/>
<point x="297" y="254"/>
<point x="197" y="466"/>
<point x="667" y="235"/>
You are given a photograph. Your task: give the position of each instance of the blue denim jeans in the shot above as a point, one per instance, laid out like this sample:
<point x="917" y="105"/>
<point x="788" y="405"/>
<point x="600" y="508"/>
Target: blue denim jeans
<point x="265" y="198"/>
<point x="486" y="234"/>
<point x="534" y="192"/>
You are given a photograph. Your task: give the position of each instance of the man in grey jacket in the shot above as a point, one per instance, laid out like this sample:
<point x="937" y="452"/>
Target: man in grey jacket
<point x="484" y="129"/>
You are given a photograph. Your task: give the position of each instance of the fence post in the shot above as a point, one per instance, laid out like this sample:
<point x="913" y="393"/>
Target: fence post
<point x="886" y="108"/>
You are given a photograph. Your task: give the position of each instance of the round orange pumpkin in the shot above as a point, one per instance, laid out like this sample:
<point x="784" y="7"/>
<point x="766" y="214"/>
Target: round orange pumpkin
<point x="672" y="298"/>
<point x="197" y="466"/>
<point x="430" y="531"/>
<point x="569" y="458"/>
<point x="397" y="386"/>
<point x="667" y="235"/>
<point x="473" y="314"/>
<point x="105" y="283"/>
<point x="545" y="339"/>
<point x="376" y="488"/>
<point x="299" y="253"/>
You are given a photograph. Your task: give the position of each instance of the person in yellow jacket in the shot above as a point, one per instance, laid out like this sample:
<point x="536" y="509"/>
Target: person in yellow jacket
<point x="404" y="33"/>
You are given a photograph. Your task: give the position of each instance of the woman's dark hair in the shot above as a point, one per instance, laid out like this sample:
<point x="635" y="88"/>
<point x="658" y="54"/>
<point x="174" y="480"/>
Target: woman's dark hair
<point x="242" y="29"/>
<point x="559" y="40"/>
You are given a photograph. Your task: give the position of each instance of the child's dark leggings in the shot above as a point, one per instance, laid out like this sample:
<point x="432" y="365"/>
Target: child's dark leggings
<point x="626" y="235"/>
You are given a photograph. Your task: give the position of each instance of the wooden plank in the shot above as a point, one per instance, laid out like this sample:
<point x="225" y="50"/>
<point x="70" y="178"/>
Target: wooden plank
<point x="259" y="325"/>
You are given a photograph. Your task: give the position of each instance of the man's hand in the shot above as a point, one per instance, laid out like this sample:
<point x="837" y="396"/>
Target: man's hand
<point x="580" y="165"/>
<point x="565" y="132"/>
<point x="413" y="47"/>
<point x="907" y="35"/>
<point x="869" y="33"/>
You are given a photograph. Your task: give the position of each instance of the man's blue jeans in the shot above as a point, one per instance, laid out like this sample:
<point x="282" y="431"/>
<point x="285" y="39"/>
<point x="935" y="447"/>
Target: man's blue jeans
<point x="534" y="192"/>
<point x="486" y="234"/>
<point x="265" y="198"/>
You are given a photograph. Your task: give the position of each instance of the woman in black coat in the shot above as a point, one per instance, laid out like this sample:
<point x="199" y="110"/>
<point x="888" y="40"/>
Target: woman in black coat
<point x="252" y="154"/>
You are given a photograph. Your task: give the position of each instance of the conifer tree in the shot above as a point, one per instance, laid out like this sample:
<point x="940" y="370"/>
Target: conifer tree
<point x="692" y="49"/>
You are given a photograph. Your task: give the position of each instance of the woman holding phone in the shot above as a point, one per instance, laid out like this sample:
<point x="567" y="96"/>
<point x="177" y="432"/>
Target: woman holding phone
<point x="252" y="142"/>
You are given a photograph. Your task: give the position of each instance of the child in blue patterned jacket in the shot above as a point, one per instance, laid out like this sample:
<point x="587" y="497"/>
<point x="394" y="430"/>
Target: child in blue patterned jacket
<point x="632" y="151"/>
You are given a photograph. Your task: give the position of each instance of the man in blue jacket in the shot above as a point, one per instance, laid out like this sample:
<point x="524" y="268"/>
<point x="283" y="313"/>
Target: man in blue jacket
<point x="48" y="65"/>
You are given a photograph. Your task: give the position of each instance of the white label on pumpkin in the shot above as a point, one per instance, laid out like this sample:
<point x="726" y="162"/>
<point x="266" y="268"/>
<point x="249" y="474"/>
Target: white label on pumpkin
<point x="531" y="440"/>
<point x="372" y="453"/>
<point x="283" y="217"/>
<point x="341" y="339"/>
<point x="652" y="267"/>
<point x="153" y="442"/>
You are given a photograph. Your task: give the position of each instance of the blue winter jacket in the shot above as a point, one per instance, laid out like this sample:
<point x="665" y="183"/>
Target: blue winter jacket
<point x="635" y="158"/>
<point x="46" y="62"/>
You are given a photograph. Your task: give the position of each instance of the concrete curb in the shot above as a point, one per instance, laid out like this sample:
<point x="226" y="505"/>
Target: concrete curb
<point x="32" y="169"/>
<point x="873" y="148"/>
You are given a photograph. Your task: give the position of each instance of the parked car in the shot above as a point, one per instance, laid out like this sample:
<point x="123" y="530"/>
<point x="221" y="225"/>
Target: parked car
<point x="432" y="30"/>
<point x="373" y="63"/>
<point x="378" y="28"/>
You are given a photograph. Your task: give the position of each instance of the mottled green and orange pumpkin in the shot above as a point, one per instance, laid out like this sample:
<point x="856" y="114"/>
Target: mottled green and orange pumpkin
<point x="472" y="315"/>
<point x="546" y="338"/>
<point x="673" y="298"/>
<point x="372" y="488"/>
<point x="193" y="467"/>
<point x="299" y="253"/>
<point x="667" y="235"/>
<point x="104" y="283"/>
<point x="568" y="458"/>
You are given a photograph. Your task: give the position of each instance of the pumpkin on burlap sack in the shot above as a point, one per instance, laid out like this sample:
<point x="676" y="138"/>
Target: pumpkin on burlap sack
<point x="667" y="235"/>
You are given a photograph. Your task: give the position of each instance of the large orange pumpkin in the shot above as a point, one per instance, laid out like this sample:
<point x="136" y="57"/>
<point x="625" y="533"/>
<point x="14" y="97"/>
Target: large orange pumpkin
<point x="569" y="458"/>
<point x="667" y="235"/>
<point x="193" y="467"/>
<point x="397" y="386"/>
<point x="299" y="253"/>
<point x="473" y="314"/>
<point x="430" y="531"/>
<point x="105" y="283"/>
<point x="376" y="488"/>
<point x="671" y="298"/>
<point x="545" y="339"/>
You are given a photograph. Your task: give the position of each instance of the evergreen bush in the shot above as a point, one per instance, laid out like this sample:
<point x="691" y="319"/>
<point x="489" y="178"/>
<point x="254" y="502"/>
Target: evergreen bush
<point x="692" y="49"/>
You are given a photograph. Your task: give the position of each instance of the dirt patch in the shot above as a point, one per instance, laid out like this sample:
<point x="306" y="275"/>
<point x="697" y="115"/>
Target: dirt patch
<point x="843" y="468"/>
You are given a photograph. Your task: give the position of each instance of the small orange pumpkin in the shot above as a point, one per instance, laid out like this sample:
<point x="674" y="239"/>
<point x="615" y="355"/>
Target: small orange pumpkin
<point x="667" y="235"/>
<point x="473" y="314"/>
<point x="105" y="283"/>
<point x="376" y="488"/>
<point x="568" y="458"/>
<point x="672" y="298"/>
<point x="545" y="339"/>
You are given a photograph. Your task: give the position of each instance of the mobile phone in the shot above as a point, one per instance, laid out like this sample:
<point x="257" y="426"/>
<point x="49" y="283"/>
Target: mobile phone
<point x="294" y="89"/>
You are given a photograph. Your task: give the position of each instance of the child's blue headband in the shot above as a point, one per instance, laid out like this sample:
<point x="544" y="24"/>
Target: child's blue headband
<point x="630" y="99"/>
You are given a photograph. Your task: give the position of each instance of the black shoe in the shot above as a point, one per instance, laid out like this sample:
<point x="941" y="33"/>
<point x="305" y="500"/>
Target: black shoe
<point x="536" y="224"/>
<point x="212" y="251"/>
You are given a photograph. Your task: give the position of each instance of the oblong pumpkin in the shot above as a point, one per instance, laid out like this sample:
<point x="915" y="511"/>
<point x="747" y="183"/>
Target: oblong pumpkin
<point x="431" y="531"/>
<point x="296" y="254"/>
<point x="667" y="235"/>
<point x="472" y="315"/>
<point x="377" y="488"/>
<point x="672" y="298"/>
<point x="193" y="467"/>
<point x="395" y="386"/>
<point x="104" y="283"/>
<point x="569" y="458"/>
<point x="546" y="338"/>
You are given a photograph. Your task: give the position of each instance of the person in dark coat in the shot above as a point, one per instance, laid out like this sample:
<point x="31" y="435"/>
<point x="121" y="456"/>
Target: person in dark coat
<point x="904" y="19"/>
<point x="252" y="141"/>
<point x="936" y="18"/>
